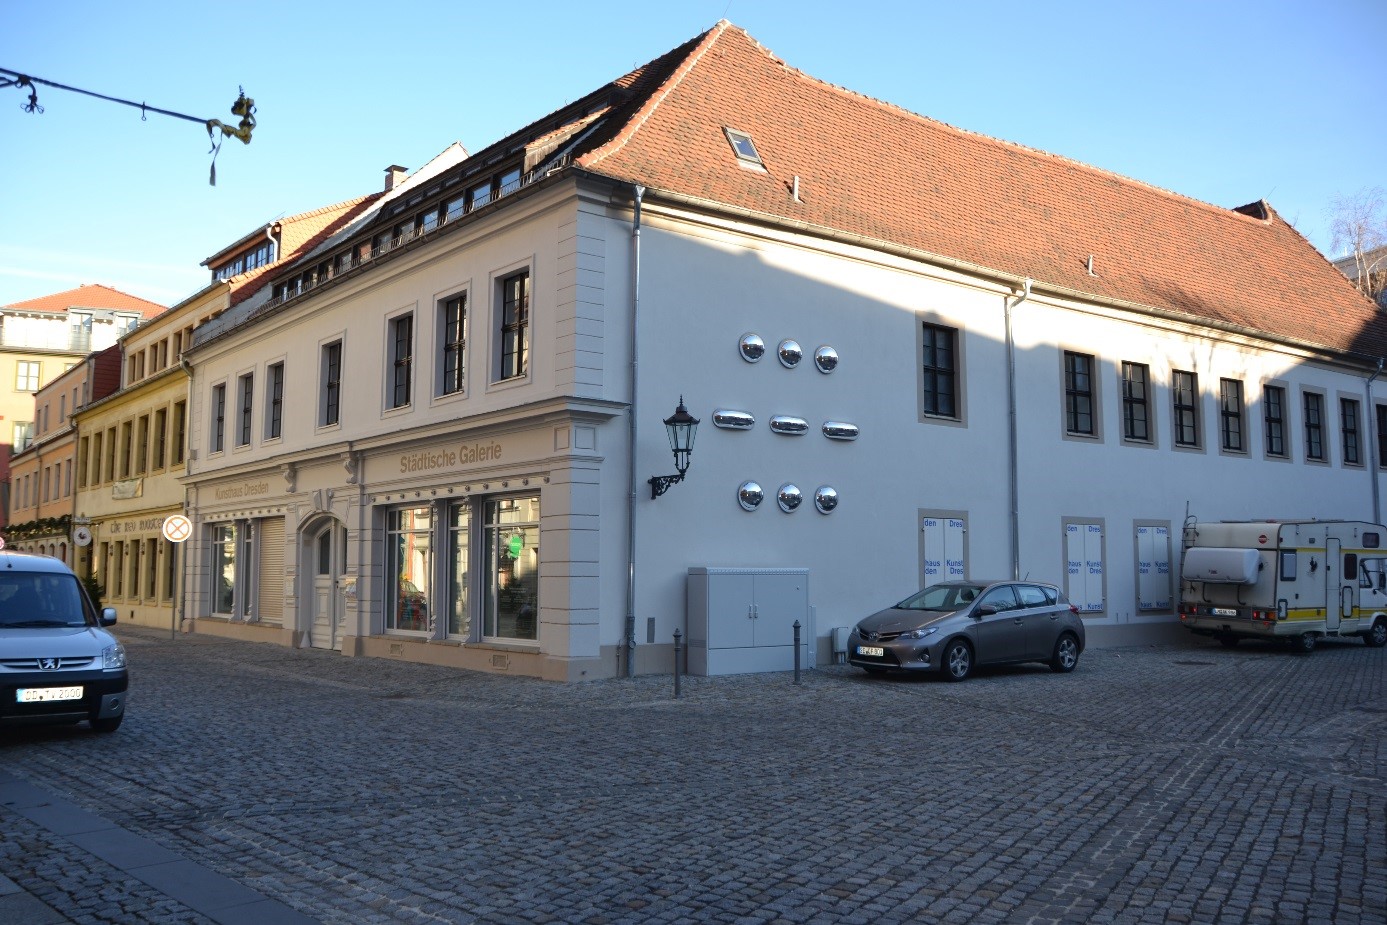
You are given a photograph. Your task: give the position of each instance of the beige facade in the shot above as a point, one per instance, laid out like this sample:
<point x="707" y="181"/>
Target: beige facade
<point x="131" y="450"/>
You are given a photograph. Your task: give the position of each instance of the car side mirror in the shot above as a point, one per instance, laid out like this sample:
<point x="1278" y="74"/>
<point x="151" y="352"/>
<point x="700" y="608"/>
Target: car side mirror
<point x="108" y="616"/>
<point x="985" y="610"/>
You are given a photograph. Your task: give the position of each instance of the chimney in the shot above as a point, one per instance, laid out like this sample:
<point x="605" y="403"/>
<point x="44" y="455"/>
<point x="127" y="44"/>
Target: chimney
<point x="394" y="176"/>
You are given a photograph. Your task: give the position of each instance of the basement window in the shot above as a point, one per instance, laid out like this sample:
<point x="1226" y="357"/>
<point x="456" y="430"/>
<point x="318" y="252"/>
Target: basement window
<point x="744" y="148"/>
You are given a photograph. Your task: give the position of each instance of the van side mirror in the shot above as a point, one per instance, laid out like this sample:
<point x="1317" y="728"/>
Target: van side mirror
<point x="1382" y="581"/>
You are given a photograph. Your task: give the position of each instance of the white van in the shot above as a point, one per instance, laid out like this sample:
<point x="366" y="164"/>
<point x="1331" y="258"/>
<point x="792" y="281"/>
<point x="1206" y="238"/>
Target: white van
<point x="58" y="663"/>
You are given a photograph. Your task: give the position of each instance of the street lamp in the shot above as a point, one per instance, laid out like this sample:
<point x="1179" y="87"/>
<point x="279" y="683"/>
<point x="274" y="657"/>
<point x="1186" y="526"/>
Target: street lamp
<point x="682" y="427"/>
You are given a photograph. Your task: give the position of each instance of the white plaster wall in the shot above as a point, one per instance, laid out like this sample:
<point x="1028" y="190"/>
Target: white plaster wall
<point x="702" y="288"/>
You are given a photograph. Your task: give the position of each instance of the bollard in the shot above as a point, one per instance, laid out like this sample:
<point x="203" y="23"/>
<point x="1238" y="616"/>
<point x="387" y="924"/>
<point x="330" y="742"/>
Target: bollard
<point x="678" y="637"/>
<point x="796" y="651"/>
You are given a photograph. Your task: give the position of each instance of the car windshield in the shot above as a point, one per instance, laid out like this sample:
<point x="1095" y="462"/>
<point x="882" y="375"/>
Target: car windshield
<point x="39" y="599"/>
<point x="941" y="597"/>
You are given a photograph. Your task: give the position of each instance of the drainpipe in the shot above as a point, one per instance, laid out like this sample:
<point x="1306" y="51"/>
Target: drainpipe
<point x="1012" y="462"/>
<point x="629" y="631"/>
<point x="1373" y="461"/>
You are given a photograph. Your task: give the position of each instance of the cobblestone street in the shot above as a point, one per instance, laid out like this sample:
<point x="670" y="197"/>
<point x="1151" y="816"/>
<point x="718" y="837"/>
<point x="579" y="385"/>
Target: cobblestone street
<point x="1184" y="783"/>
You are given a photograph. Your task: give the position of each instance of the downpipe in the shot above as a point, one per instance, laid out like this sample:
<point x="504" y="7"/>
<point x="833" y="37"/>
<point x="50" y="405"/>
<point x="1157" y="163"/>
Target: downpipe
<point x="629" y="630"/>
<point x="1374" y="463"/>
<point x="1013" y="465"/>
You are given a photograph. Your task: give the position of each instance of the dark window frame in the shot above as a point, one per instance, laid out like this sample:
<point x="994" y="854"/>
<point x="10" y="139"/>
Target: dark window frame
<point x="330" y="384"/>
<point x="1274" y="420"/>
<point x="1136" y="402"/>
<point x="402" y="360"/>
<point x="453" y="344"/>
<point x="513" y="327"/>
<point x="1080" y="402"/>
<point x="1312" y="406"/>
<point x="939" y="361"/>
<point x="1232" y="430"/>
<point x="1184" y="390"/>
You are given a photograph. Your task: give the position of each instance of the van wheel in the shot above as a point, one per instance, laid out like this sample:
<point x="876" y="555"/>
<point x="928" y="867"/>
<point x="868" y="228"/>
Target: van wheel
<point x="1066" y="655"/>
<point x="1229" y="642"/>
<point x="110" y="724"/>
<point x="1377" y="636"/>
<point x="1304" y="644"/>
<point x="958" y="661"/>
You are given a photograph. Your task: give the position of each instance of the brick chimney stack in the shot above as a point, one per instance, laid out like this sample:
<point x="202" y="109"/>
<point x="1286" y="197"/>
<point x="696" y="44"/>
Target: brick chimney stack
<point x="394" y="176"/>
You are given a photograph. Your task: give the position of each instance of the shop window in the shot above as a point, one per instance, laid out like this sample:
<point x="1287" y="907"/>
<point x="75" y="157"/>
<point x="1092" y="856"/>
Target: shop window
<point x="409" y="556"/>
<point x="510" y="535"/>
<point x="224" y="547"/>
<point x="459" y="564"/>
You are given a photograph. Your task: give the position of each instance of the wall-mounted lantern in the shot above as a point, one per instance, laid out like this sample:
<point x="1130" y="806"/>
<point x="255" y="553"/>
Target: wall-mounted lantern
<point x="682" y="428"/>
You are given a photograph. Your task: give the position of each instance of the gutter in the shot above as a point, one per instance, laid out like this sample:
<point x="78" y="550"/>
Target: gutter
<point x="629" y="631"/>
<point x="1012" y="281"/>
<point x="1013" y="464"/>
<point x="1373" y="437"/>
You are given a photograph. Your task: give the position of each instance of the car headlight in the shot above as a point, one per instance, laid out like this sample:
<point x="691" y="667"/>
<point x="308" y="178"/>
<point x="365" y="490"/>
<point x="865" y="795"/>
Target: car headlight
<point x="113" y="656"/>
<point x="920" y="633"/>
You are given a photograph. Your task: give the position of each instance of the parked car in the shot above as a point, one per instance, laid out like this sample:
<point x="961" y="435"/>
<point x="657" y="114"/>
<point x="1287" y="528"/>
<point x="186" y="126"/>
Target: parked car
<point x="956" y="625"/>
<point x="58" y="663"/>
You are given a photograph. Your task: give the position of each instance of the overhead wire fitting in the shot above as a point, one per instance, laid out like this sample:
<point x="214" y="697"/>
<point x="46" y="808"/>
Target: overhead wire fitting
<point x="244" y="107"/>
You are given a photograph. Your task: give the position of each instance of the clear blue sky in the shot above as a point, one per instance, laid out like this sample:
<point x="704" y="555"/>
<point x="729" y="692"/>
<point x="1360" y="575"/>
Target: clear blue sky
<point x="1225" y="102"/>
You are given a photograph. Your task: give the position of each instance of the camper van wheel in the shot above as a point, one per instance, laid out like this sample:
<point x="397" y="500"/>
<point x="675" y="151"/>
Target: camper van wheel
<point x="1305" y="643"/>
<point x="1228" y="641"/>
<point x="1377" y="636"/>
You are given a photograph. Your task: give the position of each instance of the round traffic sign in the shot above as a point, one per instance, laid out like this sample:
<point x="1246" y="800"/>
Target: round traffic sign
<point x="177" y="528"/>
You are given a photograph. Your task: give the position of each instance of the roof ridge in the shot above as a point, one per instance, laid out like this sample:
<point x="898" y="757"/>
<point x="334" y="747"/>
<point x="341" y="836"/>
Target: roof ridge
<point x="981" y="136"/>
<point x="657" y="96"/>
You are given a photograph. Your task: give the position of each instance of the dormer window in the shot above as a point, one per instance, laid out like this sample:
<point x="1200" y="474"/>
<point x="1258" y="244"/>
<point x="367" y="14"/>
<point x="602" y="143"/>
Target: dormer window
<point x="744" y="148"/>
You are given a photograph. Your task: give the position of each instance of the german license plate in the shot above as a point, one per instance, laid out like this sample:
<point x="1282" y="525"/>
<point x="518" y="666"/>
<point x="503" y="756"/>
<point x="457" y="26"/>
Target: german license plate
<point x="871" y="651"/>
<point x="41" y="694"/>
<point x="1224" y="612"/>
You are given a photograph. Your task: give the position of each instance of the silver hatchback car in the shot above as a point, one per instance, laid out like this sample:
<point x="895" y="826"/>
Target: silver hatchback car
<point x="956" y="625"/>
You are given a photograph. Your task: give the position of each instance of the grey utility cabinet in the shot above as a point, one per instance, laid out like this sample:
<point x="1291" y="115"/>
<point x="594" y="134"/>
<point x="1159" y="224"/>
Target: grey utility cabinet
<point x="742" y="620"/>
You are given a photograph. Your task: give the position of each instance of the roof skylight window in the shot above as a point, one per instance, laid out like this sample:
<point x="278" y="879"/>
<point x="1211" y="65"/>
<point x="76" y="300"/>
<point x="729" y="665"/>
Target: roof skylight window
<point x="744" y="148"/>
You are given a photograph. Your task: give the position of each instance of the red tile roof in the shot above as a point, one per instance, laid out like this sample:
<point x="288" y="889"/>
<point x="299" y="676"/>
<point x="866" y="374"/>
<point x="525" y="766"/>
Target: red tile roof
<point x="299" y="234"/>
<point x="872" y="170"/>
<point x="87" y="295"/>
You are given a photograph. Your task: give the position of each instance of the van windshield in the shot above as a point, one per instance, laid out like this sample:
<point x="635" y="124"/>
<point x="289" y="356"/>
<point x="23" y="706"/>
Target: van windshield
<point x="40" y="599"/>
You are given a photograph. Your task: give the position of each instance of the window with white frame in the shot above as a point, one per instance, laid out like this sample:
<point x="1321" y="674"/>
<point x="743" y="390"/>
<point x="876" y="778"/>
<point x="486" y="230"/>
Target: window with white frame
<point x="26" y="376"/>
<point x="513" y="322"/>
<point x="274" y="401"/>
<point x="218" y="434"/>
<point x="401" y="359"/>
<point x="452" y="344"/>
<point x="330" y="385"/>
<point x="245" y="396"/>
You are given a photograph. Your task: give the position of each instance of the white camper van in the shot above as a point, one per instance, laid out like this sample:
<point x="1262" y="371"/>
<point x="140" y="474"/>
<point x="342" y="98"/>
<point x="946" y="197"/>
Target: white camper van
<point x="1294" y="581"/>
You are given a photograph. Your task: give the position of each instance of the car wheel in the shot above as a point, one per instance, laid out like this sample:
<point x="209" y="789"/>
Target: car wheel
<point x="958" y="661"/>
<point x="1229" y="642"/>
<point x="110" y="724"/>
<point x="1304" y="643"/>
<point x="1066" y="655"/>
<point x="1377" y="636"/>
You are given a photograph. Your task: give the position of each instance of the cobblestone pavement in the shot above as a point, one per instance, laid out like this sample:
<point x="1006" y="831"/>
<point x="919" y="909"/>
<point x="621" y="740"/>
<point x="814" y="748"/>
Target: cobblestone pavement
<point x="1176" y="784"/>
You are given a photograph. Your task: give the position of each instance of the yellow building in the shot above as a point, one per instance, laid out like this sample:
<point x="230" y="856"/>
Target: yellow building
<point x="131" y="445"/>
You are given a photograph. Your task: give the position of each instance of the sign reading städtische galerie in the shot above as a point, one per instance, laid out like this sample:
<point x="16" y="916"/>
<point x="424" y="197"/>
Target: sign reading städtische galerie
<point x="465" y="455"/>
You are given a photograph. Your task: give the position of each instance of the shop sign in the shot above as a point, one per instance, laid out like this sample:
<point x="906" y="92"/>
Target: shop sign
<point x="466" y="454"/>
<point x="253" y="489"/>
<point x="126" y="489"/>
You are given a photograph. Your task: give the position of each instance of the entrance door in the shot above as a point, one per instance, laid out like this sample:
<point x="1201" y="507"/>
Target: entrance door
<point x="1334" y="587"/>
<point x="326" y="550"/>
